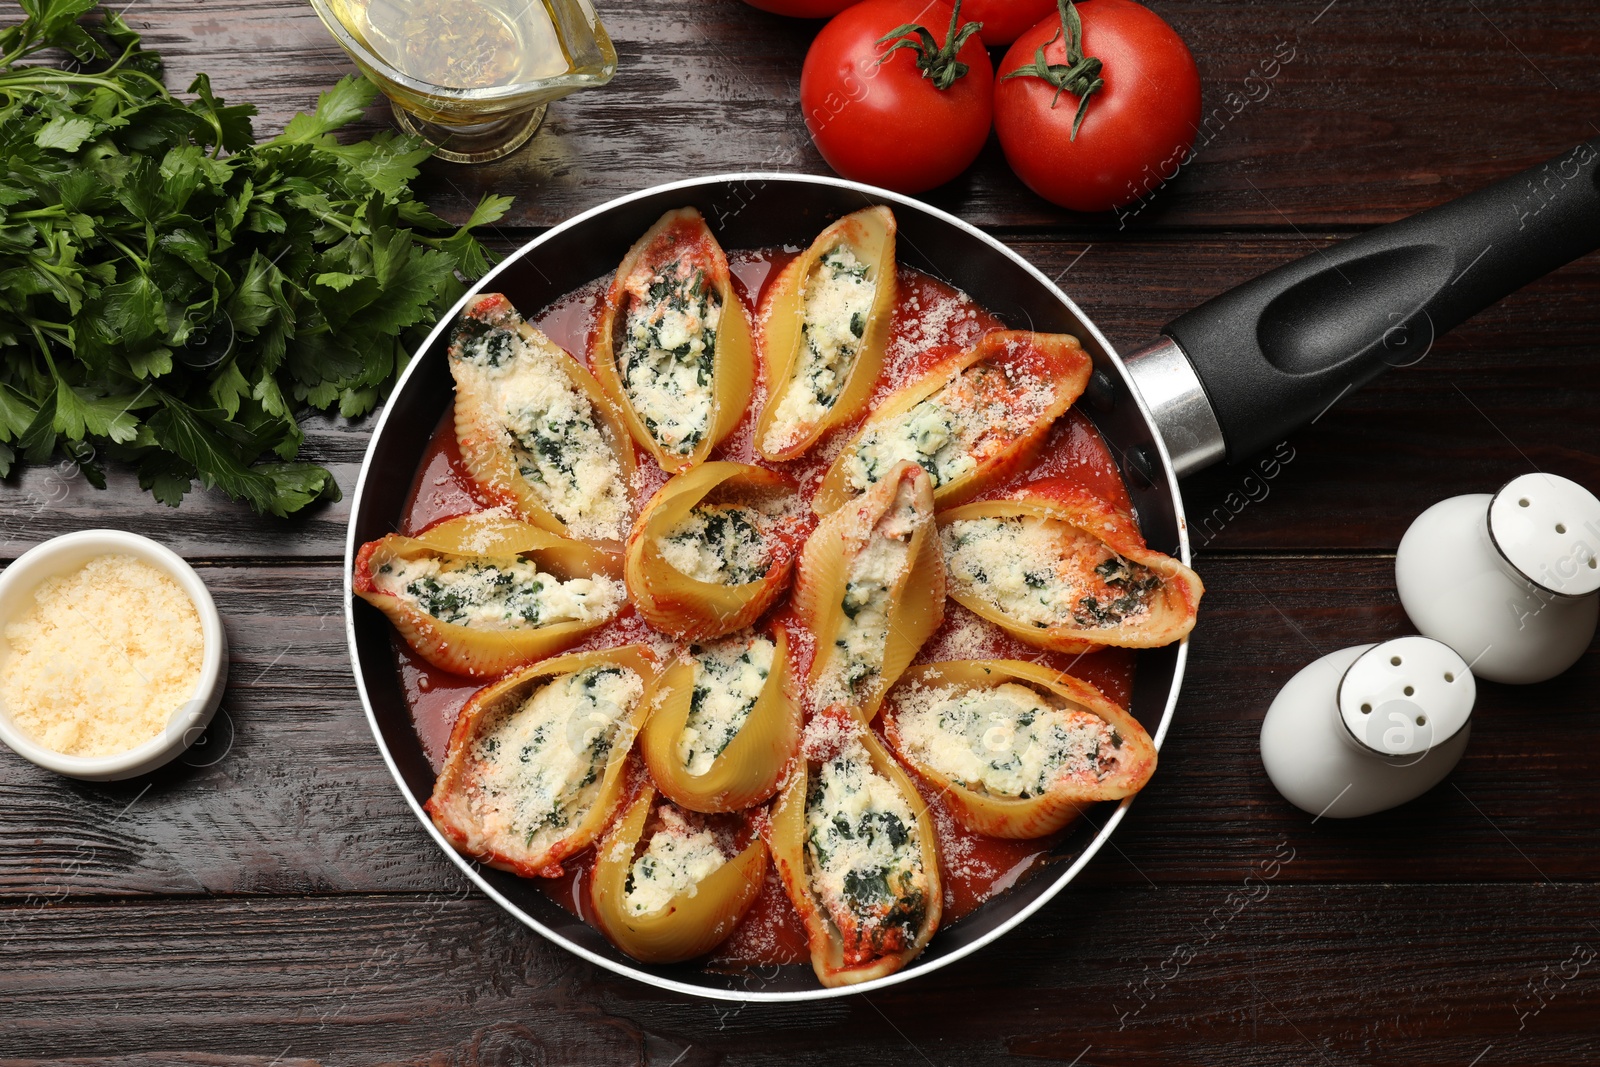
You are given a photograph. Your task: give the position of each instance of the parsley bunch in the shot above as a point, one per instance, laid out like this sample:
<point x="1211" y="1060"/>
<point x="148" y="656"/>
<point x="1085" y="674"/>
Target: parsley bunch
<point x="173" y="292"/>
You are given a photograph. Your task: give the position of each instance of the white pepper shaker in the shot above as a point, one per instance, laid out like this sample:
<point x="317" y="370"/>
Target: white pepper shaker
<point x="1511" y="581"/>
<point x="1370" y="727"/>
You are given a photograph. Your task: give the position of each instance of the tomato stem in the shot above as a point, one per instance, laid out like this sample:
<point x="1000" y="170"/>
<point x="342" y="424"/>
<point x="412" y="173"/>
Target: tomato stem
<point x="1079" y="75"/>
<point x="938" y="65"/>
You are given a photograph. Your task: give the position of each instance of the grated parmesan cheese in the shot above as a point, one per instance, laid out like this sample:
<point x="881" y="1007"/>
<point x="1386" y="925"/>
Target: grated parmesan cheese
<point x="864" y="854"/>
<point x="678" y="858"/>
<point x="927" y="319"/>
<point x="729" y="677"/>
<point x="104" y="659"/>
<point x="1045" y="572"/>
<point x="1006" y="740"/>
<point x="497" y="594"/>
<point x="669" y="347"/>
<point x="550" y="426"/>
<point x="838" y="301"/>
<point x="856" y="659"/>
<point x="969" y="420"/>
<point x="721" y="544"/>
<point x="541" y="765"/>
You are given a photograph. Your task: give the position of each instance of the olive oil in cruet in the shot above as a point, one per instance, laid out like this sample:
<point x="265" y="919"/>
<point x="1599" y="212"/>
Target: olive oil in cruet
<point x="473" y="76"/>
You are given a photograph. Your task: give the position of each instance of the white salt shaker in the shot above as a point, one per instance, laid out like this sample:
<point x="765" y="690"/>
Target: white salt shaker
<point x="1510" y="581"/>
<point x="1368" y="728"/>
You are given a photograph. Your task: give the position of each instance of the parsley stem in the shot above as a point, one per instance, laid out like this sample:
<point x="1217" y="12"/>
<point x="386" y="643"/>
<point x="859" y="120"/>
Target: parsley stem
<point x="144" y="265"/>
<point x="336" y="222"/>
<point x="44" y="349"/>
<point x="23" y="51"/>
<point x="34" y="76"/>
<point x="123" y="58"/>
<point x="61" y="332"/>
<point x="155" y="82"/>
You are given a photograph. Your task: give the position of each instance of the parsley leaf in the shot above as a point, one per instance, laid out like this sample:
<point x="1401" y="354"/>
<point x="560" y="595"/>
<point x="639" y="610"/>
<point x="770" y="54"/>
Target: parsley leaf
<point x="174" y="293"/>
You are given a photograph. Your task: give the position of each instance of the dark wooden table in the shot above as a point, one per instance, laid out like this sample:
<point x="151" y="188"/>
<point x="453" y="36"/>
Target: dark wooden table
<point x="273" y="902"/>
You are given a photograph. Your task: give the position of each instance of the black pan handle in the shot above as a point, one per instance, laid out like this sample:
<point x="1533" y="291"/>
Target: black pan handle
<point x="1276" y="352"/>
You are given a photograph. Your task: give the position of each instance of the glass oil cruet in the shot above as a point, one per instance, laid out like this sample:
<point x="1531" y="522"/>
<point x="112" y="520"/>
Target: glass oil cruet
<point x="473" y="77"/>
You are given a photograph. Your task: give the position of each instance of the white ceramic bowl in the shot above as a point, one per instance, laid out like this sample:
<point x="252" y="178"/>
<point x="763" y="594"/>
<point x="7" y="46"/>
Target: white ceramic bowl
<point x="65" y="554"/>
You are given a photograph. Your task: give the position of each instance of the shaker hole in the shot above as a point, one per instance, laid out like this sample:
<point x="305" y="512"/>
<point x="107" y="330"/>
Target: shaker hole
<point x="1449" y="677"/>
<point x="1410" y="691"/>
<point x="1561" y="527"/>
<point x="1523" y="502"/>
<point x="1395" y="660"/>
<point x="1366" y="709"/>
<point x="1592" y="563"/>
<point x="1422" y="720"/>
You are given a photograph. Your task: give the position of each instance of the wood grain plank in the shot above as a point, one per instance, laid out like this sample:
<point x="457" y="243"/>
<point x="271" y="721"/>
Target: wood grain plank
<point x="169" y="1059"/>
<point x="1242" y="974"/>
<point x="1263" y="619"/>
<point x="274" y="902"/>
<point x="1382" y="110"/>
<point x="1512" y="389"/>
<point x="37" y="503"/>
<point x="286" y="794"/>
<point x="292" y="797"/>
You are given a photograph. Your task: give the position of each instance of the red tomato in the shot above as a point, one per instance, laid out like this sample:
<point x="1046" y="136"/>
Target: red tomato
<point x="805" y="9"/>
<point x="1138" y="127"/>
<point x="1005" y="20"/>
<point x="886" y="122"/>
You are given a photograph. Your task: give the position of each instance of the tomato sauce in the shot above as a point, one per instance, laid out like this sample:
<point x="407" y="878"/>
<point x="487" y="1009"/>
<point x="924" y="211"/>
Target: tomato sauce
<point x="932" y="322"/>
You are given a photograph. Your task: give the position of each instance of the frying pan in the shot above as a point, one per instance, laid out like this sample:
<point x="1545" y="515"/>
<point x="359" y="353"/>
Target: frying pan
<point x="1225" y="380"/>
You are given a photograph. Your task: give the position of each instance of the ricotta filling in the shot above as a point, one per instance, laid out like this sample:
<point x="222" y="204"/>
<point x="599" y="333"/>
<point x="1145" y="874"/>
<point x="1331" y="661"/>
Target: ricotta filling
<point x="540" y="765"/>
<point x="1007" y="740"/>
<point x="864" y="854"/>
<point x="837" y="303"/>
<point x="668" y="353"/>
<point x="728" y="680"/>
<point x="553" y="431"/>
<point x="970" y="419"/>
<point x="1045" y="573"/>
<point x="872" y="576"/>
<point x="677" y="859"/>
<point x="498" y="594"/>
<point x="722" y="544"/>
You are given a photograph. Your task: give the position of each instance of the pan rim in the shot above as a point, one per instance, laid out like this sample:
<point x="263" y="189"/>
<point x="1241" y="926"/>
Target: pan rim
<point x="472" y="870"/>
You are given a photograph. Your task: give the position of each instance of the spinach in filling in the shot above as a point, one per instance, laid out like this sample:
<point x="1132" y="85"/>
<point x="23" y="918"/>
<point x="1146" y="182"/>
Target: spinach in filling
<point x="668" y="353"/>
<point x="864" y="858"/>
<point x="723" y="544"/>
<point x="496" y="594"/>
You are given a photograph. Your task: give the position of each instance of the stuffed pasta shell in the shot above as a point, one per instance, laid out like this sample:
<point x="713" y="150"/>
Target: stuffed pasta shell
<point x="672" y="343"/>
<point x="1016" y="749"/>
<point x="536" y="431"/>
<point x="723" y="724"/>
<point x="855" y="847"/>
<point x="481" y="594"/>
<point x="667" y="887"/>
<point x="971" y="422"/>
<point x="826" y="325"/>
<point x="870" y="588"/>
<point x="1060" y="568"/>
<point x="712" y="550"/>
<point x="534" y="768"/>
